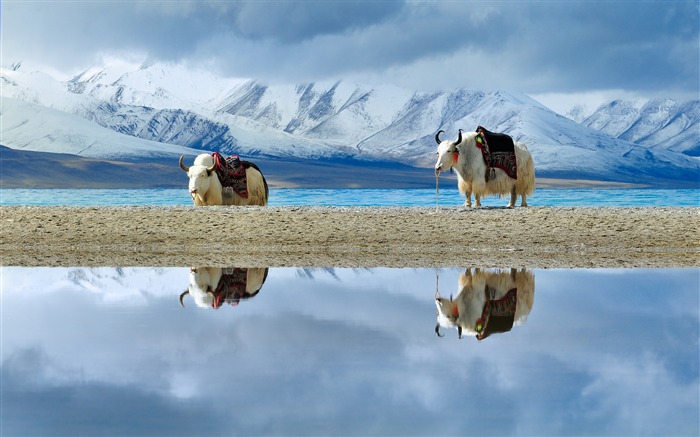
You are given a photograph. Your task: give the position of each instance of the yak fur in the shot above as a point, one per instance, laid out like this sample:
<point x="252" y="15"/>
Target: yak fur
<point x="206" y="190"/>
<point x="466" y="158"/>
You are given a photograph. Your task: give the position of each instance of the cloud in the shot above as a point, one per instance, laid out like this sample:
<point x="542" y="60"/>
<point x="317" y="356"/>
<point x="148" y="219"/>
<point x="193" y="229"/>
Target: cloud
<point x="35" y="403"/>
<point x="292" y="22"/>
<point x="642" y="392"/>
<point x="349" y="349"/>
<point x="535" y="47"/>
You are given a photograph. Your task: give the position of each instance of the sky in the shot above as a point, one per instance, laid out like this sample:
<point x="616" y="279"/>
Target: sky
<point x="554" y="50"/>
<point x="98" y="351"/>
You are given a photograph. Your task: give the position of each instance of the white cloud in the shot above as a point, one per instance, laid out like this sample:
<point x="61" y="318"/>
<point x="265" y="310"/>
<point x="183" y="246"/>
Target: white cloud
<point x="357" y="344"/>
<point x="639" y="396"/>
<point x="578" y="48"/>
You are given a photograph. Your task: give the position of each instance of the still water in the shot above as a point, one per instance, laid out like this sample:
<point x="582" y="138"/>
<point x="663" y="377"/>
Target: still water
<point x="110" y="351"/>
<point x="448" y="196"/>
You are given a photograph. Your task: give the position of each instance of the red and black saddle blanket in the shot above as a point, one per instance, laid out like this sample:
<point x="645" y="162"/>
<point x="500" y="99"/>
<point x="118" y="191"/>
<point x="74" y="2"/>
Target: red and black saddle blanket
<point x="232" y="174"/>
<point x="497" y="316"/>
<point x="498" y="151"/>
<point x="231" y="287"/>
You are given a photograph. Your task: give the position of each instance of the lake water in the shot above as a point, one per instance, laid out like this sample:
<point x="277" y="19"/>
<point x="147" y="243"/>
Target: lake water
<point x="448" y="196"/>
<point x="110" y="351"/>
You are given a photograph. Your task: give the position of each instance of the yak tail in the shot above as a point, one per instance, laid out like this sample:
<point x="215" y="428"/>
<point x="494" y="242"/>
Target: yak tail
<point x="529" y="176"/>
<point x="526" y="170"/>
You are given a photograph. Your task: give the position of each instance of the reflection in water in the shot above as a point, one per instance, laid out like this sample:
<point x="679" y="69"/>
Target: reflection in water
<point x="214" y="286"/>
<point x="488" y="302"/>
<point x="109" y="351"/>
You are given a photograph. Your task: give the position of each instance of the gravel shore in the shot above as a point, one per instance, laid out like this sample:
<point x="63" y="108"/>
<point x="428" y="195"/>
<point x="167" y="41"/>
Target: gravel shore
<point x="534" y="237"/>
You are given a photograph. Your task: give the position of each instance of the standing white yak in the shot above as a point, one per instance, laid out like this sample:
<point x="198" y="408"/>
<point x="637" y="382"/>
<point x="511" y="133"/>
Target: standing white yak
<point x="466" y="157"/>
<point x="206" y="189"/>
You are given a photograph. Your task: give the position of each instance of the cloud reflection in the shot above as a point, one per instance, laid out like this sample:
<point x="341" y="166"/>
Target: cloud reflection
<point x="345" y="352"/>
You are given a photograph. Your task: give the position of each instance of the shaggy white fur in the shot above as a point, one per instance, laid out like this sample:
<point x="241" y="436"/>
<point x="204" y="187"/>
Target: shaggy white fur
<point x="205" y="187"/>
<point x="465" y="157"/>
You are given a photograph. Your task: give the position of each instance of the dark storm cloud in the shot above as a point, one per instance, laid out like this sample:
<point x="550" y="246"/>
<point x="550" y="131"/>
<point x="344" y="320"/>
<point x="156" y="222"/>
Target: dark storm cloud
<point x="172" y="30"/>
<point x="65" y="34"/>
<point x="530" y="46"/>
<point x="292" y="22"/>
<point x="602" y="45"/>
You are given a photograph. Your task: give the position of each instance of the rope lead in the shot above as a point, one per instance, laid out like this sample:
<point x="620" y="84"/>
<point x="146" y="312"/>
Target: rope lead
<point x="437" y="189"/>
<point x="437" y="293"/>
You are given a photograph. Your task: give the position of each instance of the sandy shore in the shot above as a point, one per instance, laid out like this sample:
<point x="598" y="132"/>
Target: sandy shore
<point x="535" y="237"/>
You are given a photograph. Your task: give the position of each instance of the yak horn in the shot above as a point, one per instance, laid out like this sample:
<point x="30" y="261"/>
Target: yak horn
<point x="437" y="330"/>
<point x="211" y="169"/>
<point x="183" y="295"/>
<point x="437" y="136"/>
<point x="459" y="140"/>
<point x="183" y="166"/>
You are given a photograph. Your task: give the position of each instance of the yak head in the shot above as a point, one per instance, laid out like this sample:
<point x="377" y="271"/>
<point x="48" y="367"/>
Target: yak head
<point x="447" y="152"/>
<point x="199" y="174"/>
<point x="201" y="287"/>
<point x="447" y="315"/>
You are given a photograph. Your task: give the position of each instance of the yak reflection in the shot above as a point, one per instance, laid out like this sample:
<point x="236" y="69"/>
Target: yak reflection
<point x="214" y="286"/>
<point x="488" y="302"/>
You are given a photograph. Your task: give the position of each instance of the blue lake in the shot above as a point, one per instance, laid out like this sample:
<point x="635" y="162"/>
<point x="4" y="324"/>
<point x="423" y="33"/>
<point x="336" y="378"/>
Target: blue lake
<point x="110" y="351"/>
<point x="356" y="197"/>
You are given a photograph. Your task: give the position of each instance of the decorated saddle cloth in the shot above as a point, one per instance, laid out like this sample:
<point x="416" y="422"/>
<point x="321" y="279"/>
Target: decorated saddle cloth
<point x="231" y="288"/>
<point x="498" y="315"/>
<point x="498" y="151"/>
<point x="232" y="174"/>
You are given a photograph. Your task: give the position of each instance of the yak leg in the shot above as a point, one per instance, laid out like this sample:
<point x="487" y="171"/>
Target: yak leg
<point x="513" y="198"/>
<point x="524" y="201"/>
<point x="468" y="200"/>
<point x="477" y="199"/>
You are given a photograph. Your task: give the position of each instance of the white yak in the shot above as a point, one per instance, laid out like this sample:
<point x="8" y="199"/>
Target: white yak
<point x="466" y="158"/>
<point x="205" y="186"/>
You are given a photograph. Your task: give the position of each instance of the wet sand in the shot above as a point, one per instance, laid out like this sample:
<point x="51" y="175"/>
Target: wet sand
<point x="534" y="237"/>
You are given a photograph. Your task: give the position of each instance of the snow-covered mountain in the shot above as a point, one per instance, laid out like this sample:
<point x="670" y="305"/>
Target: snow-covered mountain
<point x="31" y="126"/>
<point x="170" y="109"/>
<point x="656" y="124"/>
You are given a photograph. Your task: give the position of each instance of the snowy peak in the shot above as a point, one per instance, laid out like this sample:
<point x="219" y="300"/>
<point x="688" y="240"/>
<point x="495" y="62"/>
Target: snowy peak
<point x="293" y="109"/>
<point x="661" y="123"/>
<point x="176" y="107"/>
<point x="156" y="85"/>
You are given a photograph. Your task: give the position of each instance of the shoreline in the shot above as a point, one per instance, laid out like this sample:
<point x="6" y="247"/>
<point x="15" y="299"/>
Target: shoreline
<point x="310" y="236"/>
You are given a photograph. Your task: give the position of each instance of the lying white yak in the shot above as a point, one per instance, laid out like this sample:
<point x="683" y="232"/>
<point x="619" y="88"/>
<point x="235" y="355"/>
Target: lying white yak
<point x="214" y="286"/>
<point x="464" y="156"/>
<point x="488" y="302"/>
<point x="205" y="186"/>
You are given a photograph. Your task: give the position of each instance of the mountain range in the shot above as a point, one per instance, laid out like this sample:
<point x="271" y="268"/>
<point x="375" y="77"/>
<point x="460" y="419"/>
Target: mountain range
<point x="656" y="123"/>
<point x="157" y="112"/>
